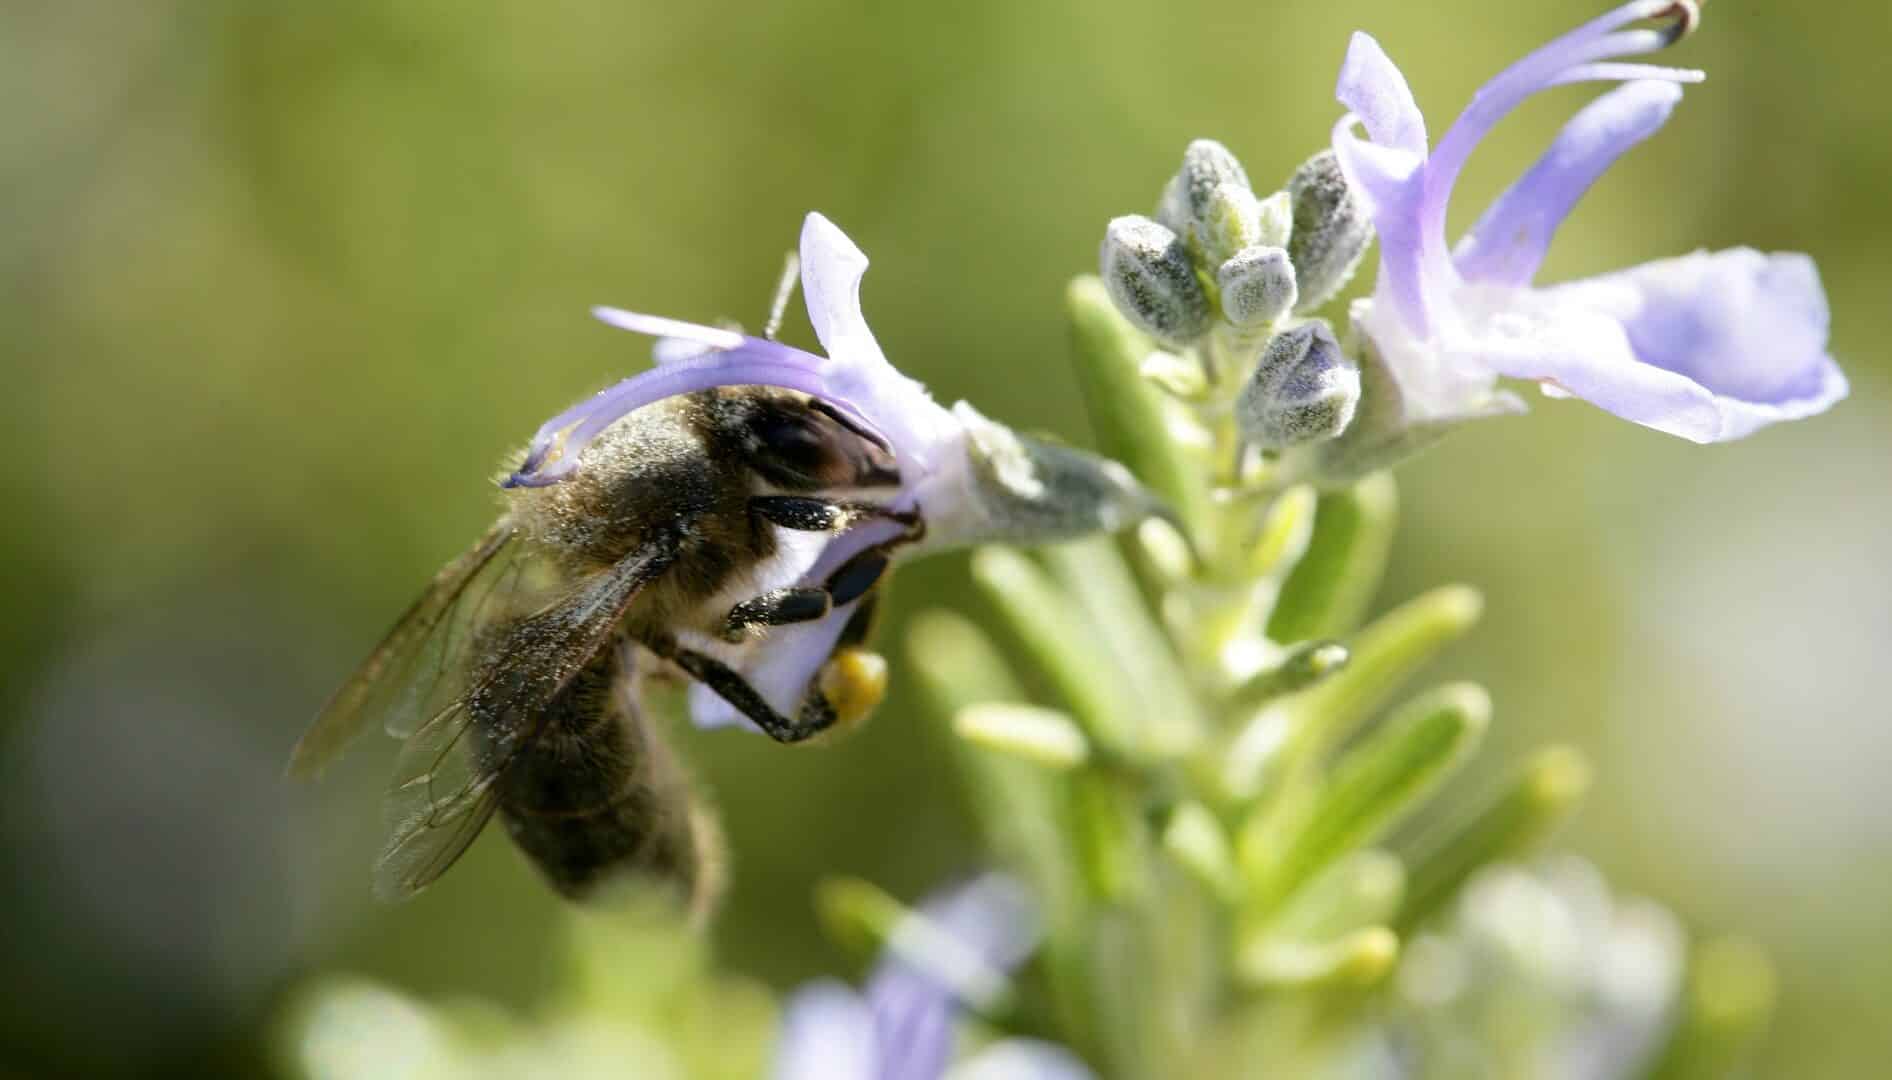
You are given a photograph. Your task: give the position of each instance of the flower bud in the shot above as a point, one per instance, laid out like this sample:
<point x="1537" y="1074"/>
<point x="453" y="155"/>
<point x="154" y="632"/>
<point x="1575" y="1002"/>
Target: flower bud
<point x="1230" y="222"/>
<point x="1331" y="230"/>
<point x="1151" y="280"/>
<point x="1206" y="165"/>
<point x="1305" y="388"/>
<point x="1210" y="205"/>
<point x="1276" y="219"/>
<point x="1257" y="285"/>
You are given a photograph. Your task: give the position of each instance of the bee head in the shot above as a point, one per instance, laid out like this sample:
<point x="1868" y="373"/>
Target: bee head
<point x="797" y="443"/>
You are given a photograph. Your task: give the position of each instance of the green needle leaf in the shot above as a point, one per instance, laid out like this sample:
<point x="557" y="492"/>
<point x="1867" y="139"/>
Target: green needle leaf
<point x="1331" y="587"/>
<point x="1063" y="644"/>
<point x="1194" y="838"/>
<point x="1372" y="788"/>
<point x="1524" y="812"/>
<point x="1381" y="657"/>
<point x="1304" y="665"/>
<point x="1359" y="959"/>
<point x="1130" y="417"/>
<point x="1041" y="736"/>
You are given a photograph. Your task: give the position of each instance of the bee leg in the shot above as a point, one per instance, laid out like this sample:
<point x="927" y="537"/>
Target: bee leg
<point x="777" y="607"/>
<point x="805" y="513"/>
<point x="857" y="575"/>
<point x="798" y="512"/>
<point x="815" y="717"/>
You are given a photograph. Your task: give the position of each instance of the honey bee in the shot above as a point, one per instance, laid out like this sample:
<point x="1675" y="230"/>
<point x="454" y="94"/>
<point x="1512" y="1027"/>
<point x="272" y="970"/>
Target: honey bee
<point x="515" y="677"/>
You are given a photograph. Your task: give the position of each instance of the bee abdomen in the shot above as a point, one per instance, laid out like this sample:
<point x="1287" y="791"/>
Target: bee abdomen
<point x="598" y="796"/>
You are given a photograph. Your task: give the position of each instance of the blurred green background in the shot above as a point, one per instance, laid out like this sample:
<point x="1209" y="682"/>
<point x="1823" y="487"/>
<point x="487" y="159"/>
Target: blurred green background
<point x="282" y="284"/>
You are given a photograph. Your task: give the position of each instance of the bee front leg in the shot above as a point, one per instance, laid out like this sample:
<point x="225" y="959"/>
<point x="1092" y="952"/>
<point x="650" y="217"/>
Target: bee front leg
<point x="815" y="717"/>
<point x="806" y="513"/>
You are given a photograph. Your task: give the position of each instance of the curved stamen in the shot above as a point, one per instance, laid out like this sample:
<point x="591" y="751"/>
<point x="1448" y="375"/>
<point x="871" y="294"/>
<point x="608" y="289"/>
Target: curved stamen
<point x="1683" y="17"/>
<point x="1608" y="72"/>
<point x="1598" y="40"/>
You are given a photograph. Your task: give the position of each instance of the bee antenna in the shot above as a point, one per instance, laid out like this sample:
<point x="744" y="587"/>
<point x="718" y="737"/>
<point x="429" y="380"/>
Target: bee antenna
<point x="784" y="289"/>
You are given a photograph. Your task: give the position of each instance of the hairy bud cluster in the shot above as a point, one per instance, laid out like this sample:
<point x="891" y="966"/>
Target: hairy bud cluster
<point x="1222" y="274"/>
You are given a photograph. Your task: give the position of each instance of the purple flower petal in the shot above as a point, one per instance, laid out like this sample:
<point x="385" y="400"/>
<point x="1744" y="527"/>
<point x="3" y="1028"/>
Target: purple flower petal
<point x="752" y="362"/>
<point x="1709" y="347"/>
<point x="902" y="1028"/>
<point x="827" y="1034"/>
<point x="1373" y="89"/>
<point x="1712" y="346"/>
<point x="1508" y="243"/>
<point x="1390" y="183"/>
<point x="913" y="1029"/>
<point x="659" y="327"/>
<point x="858" y="372"/>
<point x="1539" y="70"/>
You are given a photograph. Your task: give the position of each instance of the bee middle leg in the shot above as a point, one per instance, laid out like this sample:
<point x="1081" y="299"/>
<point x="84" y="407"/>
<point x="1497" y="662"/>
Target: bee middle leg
<point x="815" y="716"/>
<point x="780" y="607"/>
<point x="777" y="607"/>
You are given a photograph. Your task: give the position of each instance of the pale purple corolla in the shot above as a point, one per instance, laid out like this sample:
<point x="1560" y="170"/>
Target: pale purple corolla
<point x="1708" y="346"/>
<point x="971" y="479"/>
<point x="954" y="953"/>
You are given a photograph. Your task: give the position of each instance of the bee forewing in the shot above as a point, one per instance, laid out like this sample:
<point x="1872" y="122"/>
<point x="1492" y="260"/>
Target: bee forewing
<point x="445" y="783"/>
<point x="409" y="666"/>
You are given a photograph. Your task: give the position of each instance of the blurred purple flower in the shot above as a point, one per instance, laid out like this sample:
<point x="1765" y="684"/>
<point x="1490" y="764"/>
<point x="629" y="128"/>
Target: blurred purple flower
<point x="956" y="951"/>
<point x="1709" y="347"/>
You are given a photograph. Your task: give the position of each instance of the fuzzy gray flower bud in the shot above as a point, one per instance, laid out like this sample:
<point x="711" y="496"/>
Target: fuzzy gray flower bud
<point x="1211" y="206"/>
<point x="1331" y="230"/>
<point x="1257" y="286"/>
<point x="1304" y="389"/>
<point x="1151" y="280"/>
<point x="1206" y="165"/>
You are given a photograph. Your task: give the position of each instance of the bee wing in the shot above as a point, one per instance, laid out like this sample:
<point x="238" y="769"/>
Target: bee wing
<point x="420" y="659"/>
<point x="446" y="784"/>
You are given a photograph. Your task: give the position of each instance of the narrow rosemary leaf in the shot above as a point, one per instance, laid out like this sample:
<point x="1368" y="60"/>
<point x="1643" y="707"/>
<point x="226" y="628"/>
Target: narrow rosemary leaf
<point x="1330" y="589"/>
<point x="1039" y="736"/>
<point x="1094" y="575"/>
<point x="1197" y="843"/>
<point x="1363" y="888"/>
<point x="1371" y="788"/>
<point x="1380" y="658"/>
<point x="1361" y="958"/>
<point x="1062" y="645"/>
<point x="1129" y="415"/>
<point x="1304" y="666"/>
<point x="1522" y="814"/>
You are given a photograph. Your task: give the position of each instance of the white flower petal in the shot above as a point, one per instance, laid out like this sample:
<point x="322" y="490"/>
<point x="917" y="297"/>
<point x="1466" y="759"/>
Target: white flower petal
<point x="831" y="271"/>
